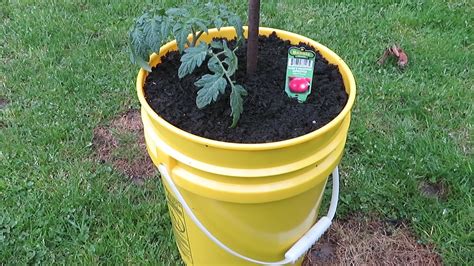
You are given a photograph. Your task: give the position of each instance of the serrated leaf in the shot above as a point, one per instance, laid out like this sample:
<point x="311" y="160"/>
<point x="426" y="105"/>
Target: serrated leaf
<point x="231" y="59"/>
<point x="135" y="39"/>
<point x="214" y="66"/>
<point x="160" y="11"/>
<point x="143" y="63"/>
<point x="211" y="87"/>
<point x="201" y="25"/>
<point x="218" y="22"/>
<point x="177" y="12"/>
<point x="139" y="60"/>
<point x="142" y="19"/>
<point x="192" y="58"/>
<point x="236" y="22"/>
<point x="237" y="103"/>
<point x="165" y="28"/>
<point x="223" y="11"/>
<point x="153" y="34"/>
<point x="181" y="32"/>
<point x="217" y="45"/>
<point x="139" y="51"/>
<point x="209" y="6"/>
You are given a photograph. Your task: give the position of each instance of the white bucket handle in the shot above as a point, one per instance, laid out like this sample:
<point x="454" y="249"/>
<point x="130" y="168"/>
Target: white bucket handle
<point x="296" y="251"/>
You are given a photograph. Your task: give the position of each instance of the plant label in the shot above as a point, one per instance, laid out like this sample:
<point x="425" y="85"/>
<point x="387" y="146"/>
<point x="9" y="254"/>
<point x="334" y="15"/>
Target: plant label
<point x="299" y="73"/>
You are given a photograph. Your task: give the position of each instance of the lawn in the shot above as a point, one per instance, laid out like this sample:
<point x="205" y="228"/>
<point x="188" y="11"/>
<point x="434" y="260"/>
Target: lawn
<point x="65" y="70"/>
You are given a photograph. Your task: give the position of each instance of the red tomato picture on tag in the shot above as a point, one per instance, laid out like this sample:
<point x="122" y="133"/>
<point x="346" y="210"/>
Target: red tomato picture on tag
<point x="299" y="85"/>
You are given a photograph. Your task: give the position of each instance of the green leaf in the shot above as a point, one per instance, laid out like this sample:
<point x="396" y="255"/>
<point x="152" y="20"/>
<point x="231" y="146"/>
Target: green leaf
<point x="153" y="34"/>
<point x="209" y="6"/>
<point x="181" y="32"/>
<point x="236" y="22"/>
<point x="217" y="45"/>
<point x="135" y="38"/>
<point x="159" y="11"/>
<point x="218" y="22"/>
<point x="214" y="66"/>
<point x="177" y="12"/>
<point x="237" y="103"/>
<point x="142" y="19"/>
<point x="139" y="51"/>
<point x="201" y="25"/>
<point x="165" y="28"/>
<point x="139" y="60"/>
<point x="192" y="58"/>
<point x="231" y="59"/>
<point x="211" y="87"/>
<point x="223" y="11"/>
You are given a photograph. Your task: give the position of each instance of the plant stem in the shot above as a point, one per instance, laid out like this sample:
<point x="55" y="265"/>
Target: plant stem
<point x="219" y="53"/>
<point x="224" y="70"/>
<point x="252" y="44"/>
<point x="194" y="36"/>
<point x="197" y="37"/>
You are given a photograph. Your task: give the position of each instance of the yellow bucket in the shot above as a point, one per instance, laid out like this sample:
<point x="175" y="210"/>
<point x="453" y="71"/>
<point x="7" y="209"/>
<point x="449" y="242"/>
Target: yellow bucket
<point x="256" y="199"/>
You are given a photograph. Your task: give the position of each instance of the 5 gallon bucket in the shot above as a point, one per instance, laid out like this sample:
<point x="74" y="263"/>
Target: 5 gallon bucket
<point x="231" y="201"/>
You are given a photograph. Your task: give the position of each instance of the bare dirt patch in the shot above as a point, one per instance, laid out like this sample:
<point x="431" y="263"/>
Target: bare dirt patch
<point x="3" y="103"/>
<point x="438" y="190"/>
<point x="122" y="144"/>
<point x="360" y="241"/>
<point x="463" y="139"/>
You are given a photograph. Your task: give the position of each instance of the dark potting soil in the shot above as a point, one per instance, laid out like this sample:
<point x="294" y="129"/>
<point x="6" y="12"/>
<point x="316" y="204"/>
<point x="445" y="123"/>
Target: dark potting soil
<point x="269" y="114"/>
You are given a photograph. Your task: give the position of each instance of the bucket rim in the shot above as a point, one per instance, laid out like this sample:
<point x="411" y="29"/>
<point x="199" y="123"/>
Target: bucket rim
<point x="329" y="55"/>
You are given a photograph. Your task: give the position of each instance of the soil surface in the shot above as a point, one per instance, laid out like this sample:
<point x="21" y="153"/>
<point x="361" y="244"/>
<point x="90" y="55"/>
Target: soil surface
<point x="269" y="115"/>
<point x="370" y="241"/>
<point x="122" y="145"/>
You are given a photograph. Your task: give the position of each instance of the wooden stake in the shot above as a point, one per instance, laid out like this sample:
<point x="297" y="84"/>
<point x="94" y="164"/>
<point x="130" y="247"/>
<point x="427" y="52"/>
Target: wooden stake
<point x="252" y="44"/>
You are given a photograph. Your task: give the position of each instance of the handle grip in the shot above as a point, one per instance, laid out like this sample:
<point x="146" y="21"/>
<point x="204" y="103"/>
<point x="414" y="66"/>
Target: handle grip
<point x="308" y="240"/>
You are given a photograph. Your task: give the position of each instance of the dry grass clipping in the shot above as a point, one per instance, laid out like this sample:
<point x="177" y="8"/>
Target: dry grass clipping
<point x="360" y="241"/>
<point x="106" y="141"/>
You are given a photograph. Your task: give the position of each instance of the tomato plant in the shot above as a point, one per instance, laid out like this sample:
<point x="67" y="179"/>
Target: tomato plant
<point x="153" y="28"/>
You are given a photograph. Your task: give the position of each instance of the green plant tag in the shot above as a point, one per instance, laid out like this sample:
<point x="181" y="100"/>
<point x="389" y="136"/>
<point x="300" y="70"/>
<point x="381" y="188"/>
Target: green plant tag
<point x="299" y="73"/>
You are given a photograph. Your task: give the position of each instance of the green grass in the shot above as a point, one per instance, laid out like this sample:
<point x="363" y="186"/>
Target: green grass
<point x="64" y="69"/>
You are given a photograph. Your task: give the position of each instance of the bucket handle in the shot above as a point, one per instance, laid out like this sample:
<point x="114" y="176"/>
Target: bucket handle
<point x="296" y="251"/>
